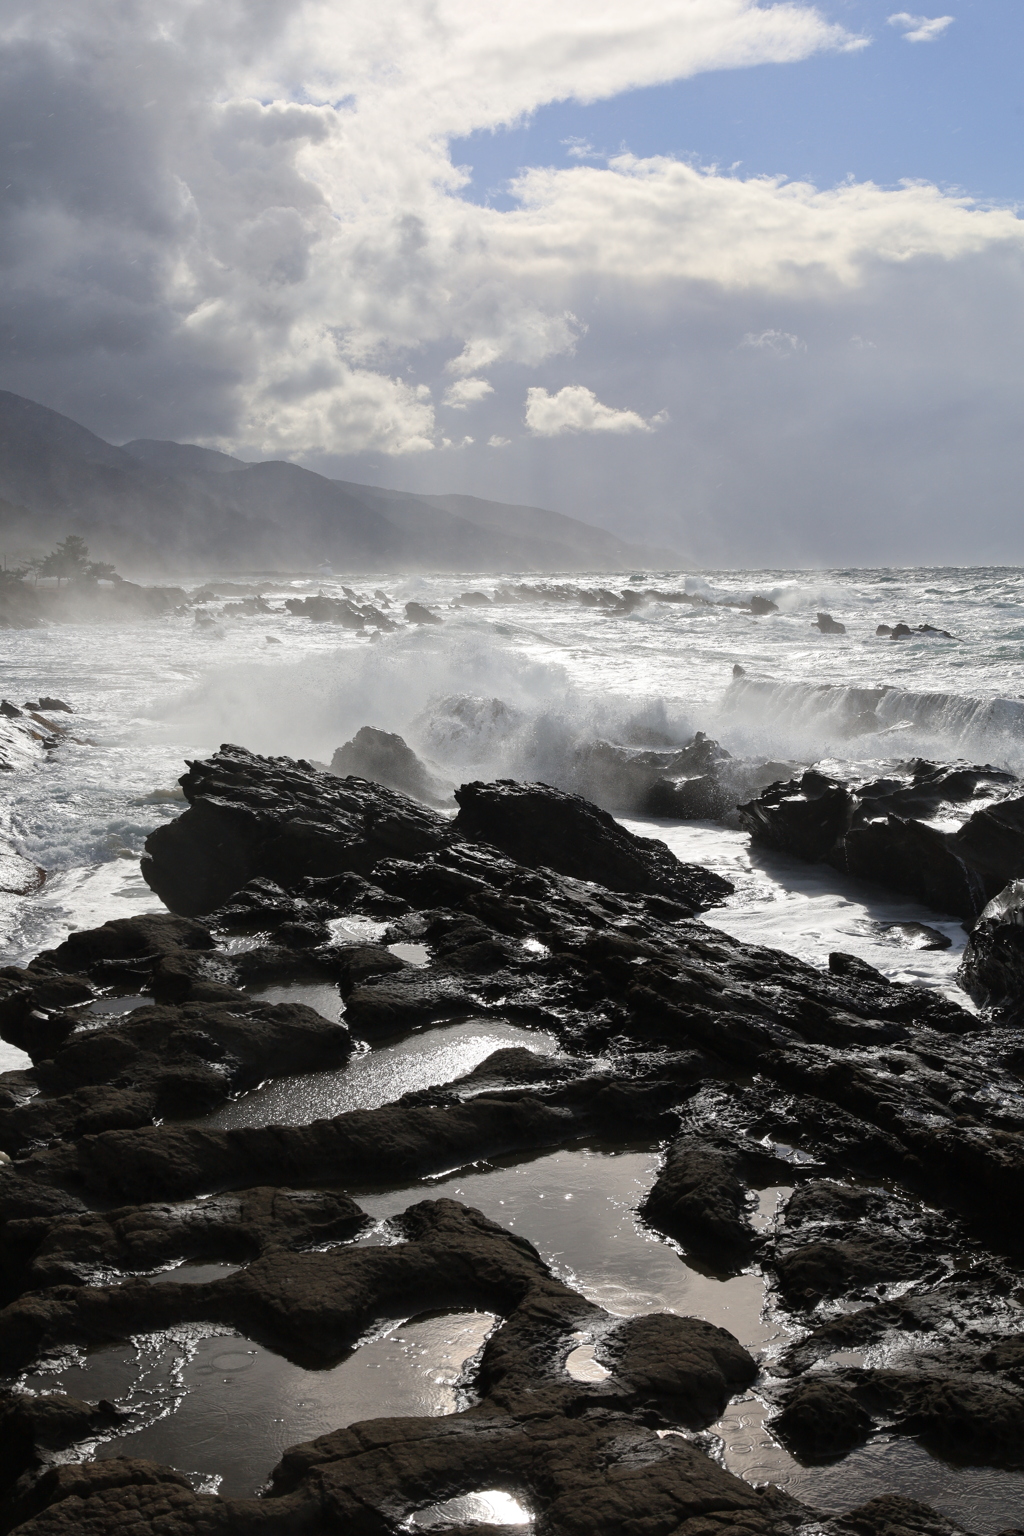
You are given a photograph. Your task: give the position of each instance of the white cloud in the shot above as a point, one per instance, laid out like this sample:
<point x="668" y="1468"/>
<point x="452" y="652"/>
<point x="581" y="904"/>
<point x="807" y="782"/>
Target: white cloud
<point x="242" y="224"/>
<point x="576" y="409"/>
<point x="204" y="194"/>
<point x="920" y="29"/>
<point x="654" y="220"/>
<point x="466" y="392"/>
<point x="579" y="149"/>
<point x="317" y="403"/>
<point x="778" y="343"/>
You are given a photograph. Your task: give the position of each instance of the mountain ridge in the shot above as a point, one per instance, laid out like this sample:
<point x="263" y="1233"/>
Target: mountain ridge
<point x="177" y="507"/>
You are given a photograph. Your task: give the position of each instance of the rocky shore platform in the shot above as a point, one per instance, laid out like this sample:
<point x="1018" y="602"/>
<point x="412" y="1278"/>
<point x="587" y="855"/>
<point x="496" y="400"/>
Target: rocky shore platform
<point x="892" y="1118"/>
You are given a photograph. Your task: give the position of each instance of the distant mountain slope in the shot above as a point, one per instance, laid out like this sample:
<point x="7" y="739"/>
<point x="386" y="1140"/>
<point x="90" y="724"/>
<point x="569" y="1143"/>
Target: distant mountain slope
<point x="181" y="458"/>
<point x="177" y="507"/>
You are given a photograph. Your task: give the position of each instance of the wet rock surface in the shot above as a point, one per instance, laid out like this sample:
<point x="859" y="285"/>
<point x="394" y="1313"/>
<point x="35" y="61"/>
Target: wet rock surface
<point x="537" y="825"/>
<point x="254" y="817"/>
<point x="950" y="835"/>
<point x="387" y="759"/>
<point x="888" y="1121"/>
<point x="992" y="969"/>
<point x="157" y="1061"/>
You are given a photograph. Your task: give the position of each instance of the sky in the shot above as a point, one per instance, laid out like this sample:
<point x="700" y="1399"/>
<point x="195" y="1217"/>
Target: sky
<point x="743" y="280"/>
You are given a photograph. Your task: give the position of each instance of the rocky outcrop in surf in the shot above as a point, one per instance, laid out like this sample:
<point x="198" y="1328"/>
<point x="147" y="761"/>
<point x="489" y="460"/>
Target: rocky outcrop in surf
<point x="992" y="970"/>
<point x="333" y="610"/>
<point x="251" y="816"/>
<point x="384" y="758"/>
<point x="885" y="829"/>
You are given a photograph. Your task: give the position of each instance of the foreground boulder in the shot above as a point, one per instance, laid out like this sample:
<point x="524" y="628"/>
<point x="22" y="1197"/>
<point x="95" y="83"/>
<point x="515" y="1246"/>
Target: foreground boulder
<point x="32" y="1426"/>
<point x="253" y="816"/>
<point x="537" y="825"/>
<point x="882" y="829"/>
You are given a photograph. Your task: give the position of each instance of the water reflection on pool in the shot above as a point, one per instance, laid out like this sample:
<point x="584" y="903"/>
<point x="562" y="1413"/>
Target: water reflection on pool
<point x="220" y="1406"/>
<point x="376" y="1077"/>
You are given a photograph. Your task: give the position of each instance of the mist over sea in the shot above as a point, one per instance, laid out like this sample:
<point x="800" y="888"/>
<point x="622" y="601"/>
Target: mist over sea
<point x="520" y="690"/>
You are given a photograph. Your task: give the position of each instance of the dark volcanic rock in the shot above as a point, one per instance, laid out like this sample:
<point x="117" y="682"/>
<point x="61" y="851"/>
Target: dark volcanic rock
<point x="807" y="817"/>
<point x="684" y="782"/>
<point x="828" y="625"/>
<point x="992" y="970"/>
<point x="698" y="798"/>
<point x="821" y="1419"/>
<point x="880" y="830"/>
<point x="835" y="1240"/>
<point x="602" y="1475"/>
<point x="385" y="758"/>
<point x="239" y="1226"/>
<point x="895" y="1515"/>
<point x="538" y="825"/>
<point x="281" y="821"/>
<point x="338" y="610"/>
<point x="417" y="614"/>
<point x="272" y="817"/>
<point x="700" y="1199"/>
<point x="97" y="1498"/>
<point x="131" y="938"/>
<point x="976" y="1420"/>
<point x="30" y="1426"/>
<point x="393" y="1144"/>
<point x="682" y="1361"/>
<point x="897" y="1117"/>
<point x="156" y="1061"/>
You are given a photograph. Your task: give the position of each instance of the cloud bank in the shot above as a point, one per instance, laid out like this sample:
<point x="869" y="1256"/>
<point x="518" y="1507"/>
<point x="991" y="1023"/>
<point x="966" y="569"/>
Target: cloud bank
<point x="239" y="223"/>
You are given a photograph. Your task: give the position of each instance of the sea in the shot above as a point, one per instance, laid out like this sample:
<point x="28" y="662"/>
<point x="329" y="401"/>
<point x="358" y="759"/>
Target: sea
<point x="521" y="687"/>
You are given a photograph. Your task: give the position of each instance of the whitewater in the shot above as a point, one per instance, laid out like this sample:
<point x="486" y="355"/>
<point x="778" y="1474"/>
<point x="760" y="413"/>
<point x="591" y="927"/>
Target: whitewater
<point x="516" y="690"/>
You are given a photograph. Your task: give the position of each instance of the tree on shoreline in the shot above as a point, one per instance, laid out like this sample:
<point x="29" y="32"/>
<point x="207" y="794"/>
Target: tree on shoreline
<point x="70" y="562"/>
<point x="10" y="578"/>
